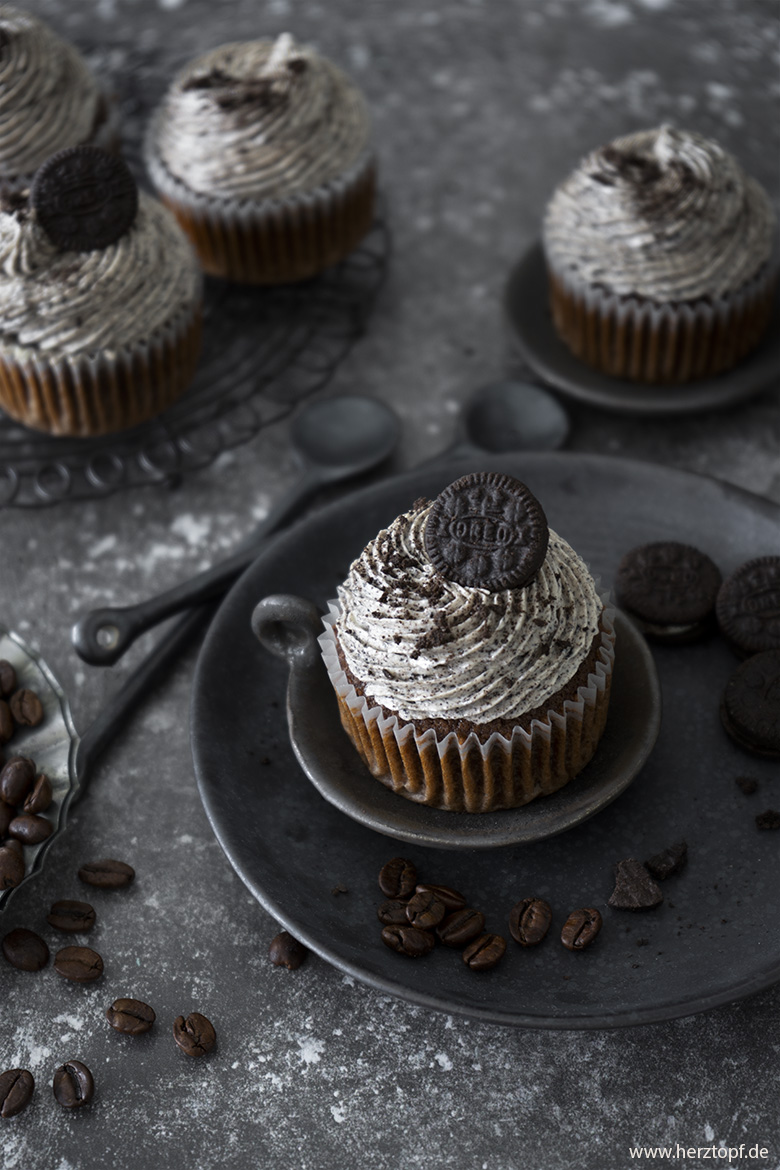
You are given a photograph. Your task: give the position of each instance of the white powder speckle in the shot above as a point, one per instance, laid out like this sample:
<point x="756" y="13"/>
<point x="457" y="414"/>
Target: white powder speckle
<point x="192" y="528"/>
<point x="608" y="13"/>
<point x="709" y="1132"/>
<point x="72" y="1021"/>
<point x="311" y="1050"/>
<point x="339" y="1113"/>
<point x="102" y="546"/>
<point x="38" y="1055"/>
<point x="443" y="1061"/>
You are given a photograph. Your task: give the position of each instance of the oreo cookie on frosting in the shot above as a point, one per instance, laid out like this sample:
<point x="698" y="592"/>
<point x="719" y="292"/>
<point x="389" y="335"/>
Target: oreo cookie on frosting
<point x="669" y="589"/>
<point x="84" y="198"/>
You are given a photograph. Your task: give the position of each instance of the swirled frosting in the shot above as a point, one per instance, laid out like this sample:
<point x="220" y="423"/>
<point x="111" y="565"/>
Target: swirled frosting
<point x="663" y="214"/>
<point x="48" y="97"/>
<point x="259" y="120"/>
<point x="427" y="648"/>
<point x="84" y="302"/>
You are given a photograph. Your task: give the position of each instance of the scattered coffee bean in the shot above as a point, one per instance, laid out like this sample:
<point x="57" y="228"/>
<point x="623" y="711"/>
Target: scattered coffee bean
<point x="580" y="928"/>
<point x="668" y="861"/>
<point x="461" y="927"/>
<point x="768" y="820"/>
<point x="25" y="950"/>
<point x="8" y="682"/>
<point x="397" y="878"/>
<point x="131" y="1016"/>
<point x="16" y="1090"/>
<point x="747" y="784"/>
<point x="73" y="1085"/>
<point x="26" y="708"/>
<point x="286" y="951"/>
<point x="634" y="888"/>
<point x="7" y="814"/>
<point x="16" y="846"/>
<point x="6" y="722"/>
<point x="425" y="910"/>
<point x="16" y="780"/>
<point x="40" y="796"/>
<point x="408" y="940"/>
<point x="11" y="867"/>
<point x="107" y="874"/>
<point x="195" y="1035"/>
<point x="79" y="964"/>
<point x="30" y="829"/>
<point x="392" y="913"/>
<point x="484" y="952"/>
<point x="71" y="916"/>
<point x="452" y="899"/>
<point x="529" y="921"/>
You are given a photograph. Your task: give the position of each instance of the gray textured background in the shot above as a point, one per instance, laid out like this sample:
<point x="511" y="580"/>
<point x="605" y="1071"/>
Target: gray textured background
<point x="479" y="109"/>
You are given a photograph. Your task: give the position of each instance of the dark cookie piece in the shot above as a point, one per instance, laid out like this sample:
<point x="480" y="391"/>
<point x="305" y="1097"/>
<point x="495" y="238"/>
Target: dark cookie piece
<point x="487" y="531"/>
<point x="529" y="921"/>
<point x="634" y="888"/>
<point x="25" y="950"/>
<point x="748" y="607"/>
<point x="84" y="198"/>
<point x="580" y="928"/>
<point x="747" y="784"/>
<point x="669" y="589"/>
<point x="408" y="940"/>
<point x="397" y="878"/>
<point x="16" y="1090"/>
<point x="750" y="708"/>
<point x="669" y="861"/>
<point x="768" y="820"/>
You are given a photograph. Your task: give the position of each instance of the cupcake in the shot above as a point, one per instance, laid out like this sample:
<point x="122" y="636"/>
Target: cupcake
<point x="49" y="100"/>
<point x="100" y="299"/>
<point x="659" y="252"/>
<point x="470" y="651"/>
<point x="262" y="151"/>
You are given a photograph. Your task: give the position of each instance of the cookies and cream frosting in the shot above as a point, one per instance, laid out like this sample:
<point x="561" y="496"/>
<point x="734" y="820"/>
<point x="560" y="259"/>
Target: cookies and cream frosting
<point x="663" y="214"/>
<point x="427" y="648"/>
<point x="48" y="97"/>
<point x="71" y="303"/>
<point x="259" y="120"/>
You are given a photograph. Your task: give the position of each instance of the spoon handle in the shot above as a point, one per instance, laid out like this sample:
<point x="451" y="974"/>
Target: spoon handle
<point x="102" y="636"/>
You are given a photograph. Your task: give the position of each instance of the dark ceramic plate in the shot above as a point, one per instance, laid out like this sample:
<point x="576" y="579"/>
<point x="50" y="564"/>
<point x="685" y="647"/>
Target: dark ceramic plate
<point x="525" y="303"/>
<point x="715" y="939"/>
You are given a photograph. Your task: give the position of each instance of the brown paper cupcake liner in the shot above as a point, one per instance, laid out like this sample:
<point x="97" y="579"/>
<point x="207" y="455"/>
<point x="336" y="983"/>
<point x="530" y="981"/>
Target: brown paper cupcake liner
<point x="628" y="337"/>
<point x="94" y="395"/>
<point x="468" y="775"/>
<point x="276" y="241"/>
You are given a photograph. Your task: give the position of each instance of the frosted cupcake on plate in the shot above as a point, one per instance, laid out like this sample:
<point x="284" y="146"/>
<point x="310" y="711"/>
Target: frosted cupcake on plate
<point x="661" y="258"/>
<point x="49" y="99"/>
<point x="470" y="651"/>
<point x="100" y="299"/>
<point x="262" y="150"/>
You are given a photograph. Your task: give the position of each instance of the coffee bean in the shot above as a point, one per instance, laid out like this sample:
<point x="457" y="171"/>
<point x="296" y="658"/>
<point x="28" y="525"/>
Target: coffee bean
<point x="40" y="797"/>
<point x="451" y="898"/>
<point x="16" y="1090"/>
<point x="286" y="951"/>
<point x="580" y="928"/>
<point x="16" y="846"/>
<point x="195" y="1035"/>
<point x="461" y="927"/>
<point x="131" y="1016"/>
<point x="30" y="829"/>
<point x="7" y="814"/>
<point x="6" y="722"/>
<point x="392" y="913"/>
<point x="16" y="780"/>
<point x="79" y="964"/>
<point x="8" y="682"/>
<point x="26" y="708"/>
<point x="397" y="878"/>
<point x="408" y="940"/>
<point x="529" y="921"/>
<point x="11" y="867"/>
<point x="73" y="1085"/>
<point x="425" y="910"/>
<point x="71" y="916"/>
<point x="25" y="950"/>
<point x="484" y="952"/>
<point x="107" y="874"/>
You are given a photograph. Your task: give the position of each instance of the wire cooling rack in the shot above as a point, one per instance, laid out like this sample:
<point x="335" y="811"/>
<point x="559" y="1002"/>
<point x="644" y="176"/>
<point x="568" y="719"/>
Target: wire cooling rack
<point x="264" y="351"/>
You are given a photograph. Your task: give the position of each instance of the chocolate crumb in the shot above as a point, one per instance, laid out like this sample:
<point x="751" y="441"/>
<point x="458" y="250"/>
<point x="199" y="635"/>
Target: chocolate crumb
<point x="747" y="784"/>
<point x="668" y="861"/>
<point x="770" y="819"/>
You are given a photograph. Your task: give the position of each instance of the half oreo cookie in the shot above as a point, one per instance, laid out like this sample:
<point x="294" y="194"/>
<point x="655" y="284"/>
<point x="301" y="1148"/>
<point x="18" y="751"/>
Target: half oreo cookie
<point x="748" y="607"/>
<point x="84" y="198"/>
<point x="750" y="708"/>
<point x="669" y="589"/>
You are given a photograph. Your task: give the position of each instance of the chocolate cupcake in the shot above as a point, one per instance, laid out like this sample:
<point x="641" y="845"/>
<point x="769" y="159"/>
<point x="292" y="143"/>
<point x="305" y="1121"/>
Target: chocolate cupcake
<point x="100" y="299"/>
<point x="470" y="651"/>
<point x="660" y="257"/>
<point x="49" y="100"/>
<point x="262" y="151"/>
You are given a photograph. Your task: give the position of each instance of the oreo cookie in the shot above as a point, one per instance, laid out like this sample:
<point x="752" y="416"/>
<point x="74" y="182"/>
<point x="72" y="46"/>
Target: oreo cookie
<point x="487" y="531"/>
<point x="748" y="607"/>
<point x="750" y="708"/>
<point x="84" y="198"/>
<point x="669" y="589"/>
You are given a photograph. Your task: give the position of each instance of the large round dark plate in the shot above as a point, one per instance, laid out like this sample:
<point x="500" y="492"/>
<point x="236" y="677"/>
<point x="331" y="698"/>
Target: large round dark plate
<point x="528" y="314"/>
<point x="715" y="939"/>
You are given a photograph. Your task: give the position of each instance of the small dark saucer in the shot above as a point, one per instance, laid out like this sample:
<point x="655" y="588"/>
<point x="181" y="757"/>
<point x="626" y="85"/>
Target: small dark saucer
<point x="289" y="626"/>
<point x="525" y="304"/>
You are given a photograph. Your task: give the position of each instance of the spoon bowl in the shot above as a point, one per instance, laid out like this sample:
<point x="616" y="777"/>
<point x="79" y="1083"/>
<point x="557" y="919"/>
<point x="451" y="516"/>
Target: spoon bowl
<point x="514" y="416"/>
<point x="345" y="435"/>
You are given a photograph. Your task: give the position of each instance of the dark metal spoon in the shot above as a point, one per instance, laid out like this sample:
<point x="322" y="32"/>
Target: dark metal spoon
<point x="335" y="439"/>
